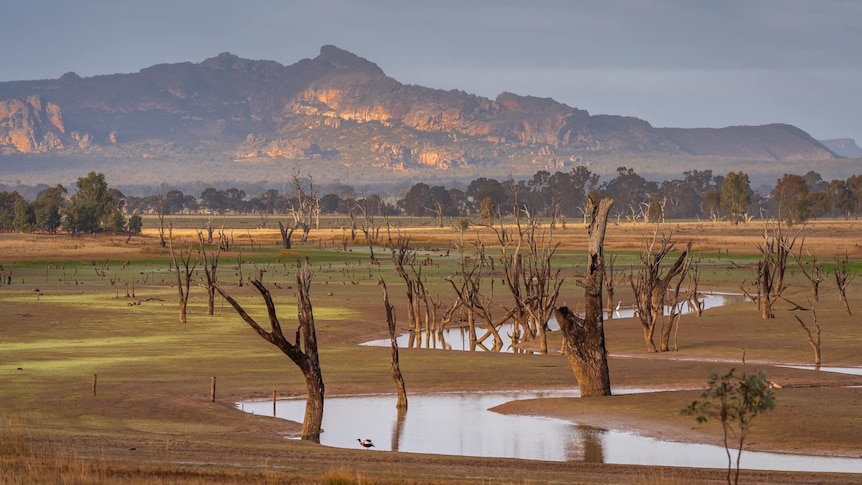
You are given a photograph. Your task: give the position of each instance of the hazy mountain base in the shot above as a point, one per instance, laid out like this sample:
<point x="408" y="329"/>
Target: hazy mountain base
<point x="204" y="167"/>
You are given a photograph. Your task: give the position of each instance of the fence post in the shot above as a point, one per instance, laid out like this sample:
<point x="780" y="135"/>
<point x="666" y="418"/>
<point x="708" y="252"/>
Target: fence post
<point x="94" y="384"/>
<point x="273" y="402"/>
<point x="213" y="389"/>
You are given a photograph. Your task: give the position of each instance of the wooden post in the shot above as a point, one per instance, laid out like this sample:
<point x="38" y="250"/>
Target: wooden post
<point x="213" y="389"/>
<point x="273" y="402"/>
<point x="94" y="384"/>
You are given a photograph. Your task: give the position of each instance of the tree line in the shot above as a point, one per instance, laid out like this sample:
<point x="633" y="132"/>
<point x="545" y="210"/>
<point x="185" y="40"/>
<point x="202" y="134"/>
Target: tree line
<point x="96" y="207"/>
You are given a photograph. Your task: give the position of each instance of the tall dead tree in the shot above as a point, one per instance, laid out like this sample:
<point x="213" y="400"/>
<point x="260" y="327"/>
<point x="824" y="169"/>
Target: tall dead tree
<point x="183" y="267"/>
<point x="813" y="339"/>
<point x="610" y="284"/>
<point x="584" y="338"/>
<point x="770" y="284"/>
<point x="814" y="274"/>
<point x="650" y="286"/>
<point x="161" y="208"/>
<point x="843" y="277"/>
<point x="305" y="208"/>
<point x="541" y="281"/>
<point x="302" y="352"/>
<point x="394" y="363"/>
<point x="210" y="268"/>
<point x="478" y="303"/>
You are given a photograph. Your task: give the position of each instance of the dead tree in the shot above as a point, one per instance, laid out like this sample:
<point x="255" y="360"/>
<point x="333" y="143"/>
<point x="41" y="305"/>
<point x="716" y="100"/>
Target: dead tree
<point x="691" y="295"/>
<point x="210" y="268"/>
<point x="369" y="228"/>
<point x="610" y="284"/>
<point x="305" y="209"/>
<point x="403" y="257"/>
<point x="584" y="338"/>
<point x="286" y="234"/>
<point x="183" y="268"/>
<point x="394" y="363"/>
<point x="814" y="275"/>
<point x="843" y="277"/>
<point x="161" y="208"/>
<point x="650" y="286"/>
<point x="303" y="352"/>
<point x="770" y="283"/>
<point x="479" y="303"/>
<point x="541" y="281"/>
<point x="813" y="340"/>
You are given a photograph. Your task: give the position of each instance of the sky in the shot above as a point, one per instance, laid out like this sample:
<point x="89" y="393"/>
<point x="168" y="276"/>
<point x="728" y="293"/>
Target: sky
<point x="673" y="63"/>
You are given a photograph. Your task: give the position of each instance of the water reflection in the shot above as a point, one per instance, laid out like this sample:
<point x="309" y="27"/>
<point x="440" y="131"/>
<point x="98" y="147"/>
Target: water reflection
<point x="461" y="424"/>
<point x="458" y="338"/>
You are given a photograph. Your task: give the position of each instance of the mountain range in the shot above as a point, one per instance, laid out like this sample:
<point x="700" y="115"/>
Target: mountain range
<point x="339" y="117"/>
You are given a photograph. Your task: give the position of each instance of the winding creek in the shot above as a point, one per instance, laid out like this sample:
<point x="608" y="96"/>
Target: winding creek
<point x="464" y="424"/>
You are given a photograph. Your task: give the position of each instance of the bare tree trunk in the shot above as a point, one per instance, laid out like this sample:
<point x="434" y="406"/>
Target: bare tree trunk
<point x="585" y="338"/>
<point x="813" y="340"/>
<point x="394" y="362"/>
<point x="303" y="353"/>
<point x="843" y="277"/>
<point x="286" y="234"/>
<point x="183" y="269"/>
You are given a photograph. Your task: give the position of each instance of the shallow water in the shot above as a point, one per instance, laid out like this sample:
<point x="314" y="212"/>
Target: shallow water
<point x="458" y="338"/>
<point x="461" y="424"/>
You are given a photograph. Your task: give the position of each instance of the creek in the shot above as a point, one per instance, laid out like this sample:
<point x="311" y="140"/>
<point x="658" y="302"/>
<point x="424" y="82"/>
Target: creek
<point x="463" y="424"/>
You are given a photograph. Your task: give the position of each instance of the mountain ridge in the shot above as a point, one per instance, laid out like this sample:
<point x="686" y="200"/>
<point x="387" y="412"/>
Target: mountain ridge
<point x="339" y="112"/>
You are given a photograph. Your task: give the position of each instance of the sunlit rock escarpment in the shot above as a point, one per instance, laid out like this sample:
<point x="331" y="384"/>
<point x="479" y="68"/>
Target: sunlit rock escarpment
<point x="337" y="113"/>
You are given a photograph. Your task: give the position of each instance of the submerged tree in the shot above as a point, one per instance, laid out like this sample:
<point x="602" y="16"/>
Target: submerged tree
<point x="650" y="286"/>
<point x="584" y="338"/>
<point x="303" y="352"/>
<point x="395" y="364"/>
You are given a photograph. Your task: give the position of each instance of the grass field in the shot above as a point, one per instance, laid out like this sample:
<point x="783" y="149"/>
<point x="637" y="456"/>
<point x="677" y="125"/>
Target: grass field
<point x="98" y="308"/>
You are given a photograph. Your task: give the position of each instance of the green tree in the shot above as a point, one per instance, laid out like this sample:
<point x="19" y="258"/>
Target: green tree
<point x="135" y="224"/>
<point x="24" y="216"/>
<point x="736" y="401"/>
<point x="736" y="195"/>
<point x="89" y="204"/>
<point x="7" y="210"/>
<point x="791" y="194"/>
<point x="47" y="207"/>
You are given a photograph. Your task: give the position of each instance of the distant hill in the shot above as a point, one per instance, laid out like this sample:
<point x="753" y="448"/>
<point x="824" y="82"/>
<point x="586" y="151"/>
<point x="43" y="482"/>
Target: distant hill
<point x="340" y="117"/>
<point x="845" y="147"/>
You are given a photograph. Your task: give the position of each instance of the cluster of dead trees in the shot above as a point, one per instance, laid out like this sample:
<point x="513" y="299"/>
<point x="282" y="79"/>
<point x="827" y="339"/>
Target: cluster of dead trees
<point x="530" y="289"/>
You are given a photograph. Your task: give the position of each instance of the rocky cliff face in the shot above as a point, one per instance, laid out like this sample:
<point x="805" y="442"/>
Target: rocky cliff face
<point x="343" y="110"/>
<point x="29" y="126"/>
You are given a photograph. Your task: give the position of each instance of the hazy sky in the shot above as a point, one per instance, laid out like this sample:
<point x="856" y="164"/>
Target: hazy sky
<point x="681" y="63"/>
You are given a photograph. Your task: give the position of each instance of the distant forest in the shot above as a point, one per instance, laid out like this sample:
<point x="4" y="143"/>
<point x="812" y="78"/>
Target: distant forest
<point x="93" y="206"/>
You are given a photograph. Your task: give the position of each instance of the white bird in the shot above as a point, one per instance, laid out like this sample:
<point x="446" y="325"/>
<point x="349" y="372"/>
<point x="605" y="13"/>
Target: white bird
<point x="618" y="305"/>
<point x="366" y="443"/>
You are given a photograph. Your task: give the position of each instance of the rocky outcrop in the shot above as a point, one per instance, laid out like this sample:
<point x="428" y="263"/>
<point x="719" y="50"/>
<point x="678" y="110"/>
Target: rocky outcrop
<point x="341" y="108"/>
<point x="29" y="126"/>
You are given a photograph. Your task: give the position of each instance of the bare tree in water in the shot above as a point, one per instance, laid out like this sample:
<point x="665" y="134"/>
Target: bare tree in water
<point x="584" y="338"/>
<point x="650" y="286"/>
<point x="395" y="363"/>
<point x="303" y="351"/>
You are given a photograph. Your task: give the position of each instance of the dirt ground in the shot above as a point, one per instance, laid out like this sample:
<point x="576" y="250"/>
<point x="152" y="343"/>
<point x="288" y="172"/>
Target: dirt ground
<point x="152" y="420"/>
